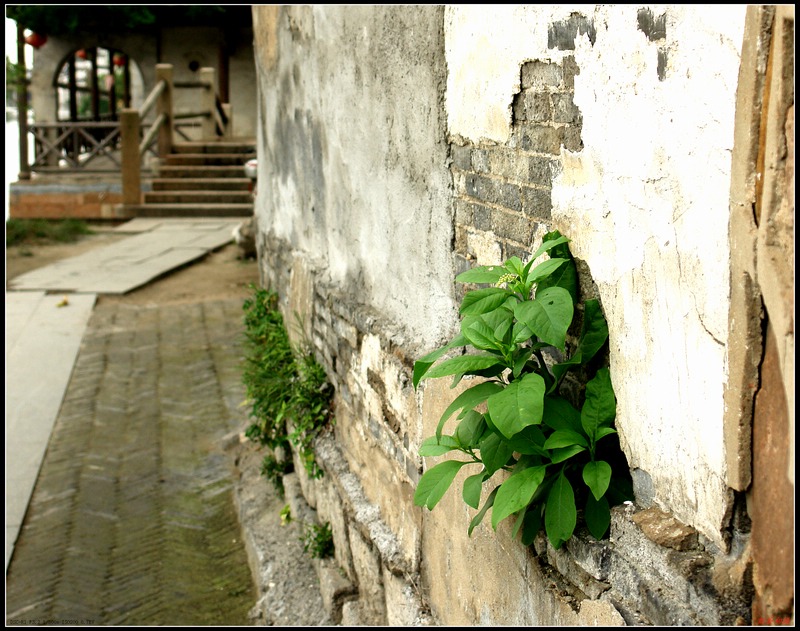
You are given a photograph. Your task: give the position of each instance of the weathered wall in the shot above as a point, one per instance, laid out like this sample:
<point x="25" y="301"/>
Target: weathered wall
<point x="401" y="145"/>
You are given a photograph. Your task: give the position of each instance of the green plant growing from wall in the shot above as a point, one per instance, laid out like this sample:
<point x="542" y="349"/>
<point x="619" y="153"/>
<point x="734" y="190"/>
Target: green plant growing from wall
<point x="287" y="388"/>
<point x="317" y="540"/>
<point x="521" y="423"/>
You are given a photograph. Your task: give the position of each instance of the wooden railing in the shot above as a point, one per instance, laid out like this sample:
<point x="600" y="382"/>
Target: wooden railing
<point x="113" y="146"/>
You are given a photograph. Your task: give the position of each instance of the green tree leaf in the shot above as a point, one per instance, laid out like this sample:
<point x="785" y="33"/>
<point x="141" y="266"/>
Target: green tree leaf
<point x="600" y="407"/>
<point x="467" y="400"/>
<point x="565" y="453"/>
<point x="463" y="364"/>
<point x="548" y="315"/>
<point x="516" y="493"/>
<point x="472" y="489"/>
<point x="530" y="441"/>
<point x="479" y="517"/>
<point x="479" y="334"/>
<point x="560" y="414"/>
<point x="597" y="516"/>
<point x="495" y="452"/>
<point x="597" y="475"/>
<point x="548" y="244"/>
<point x="565" y="438"/>
<point x="545" y="269"/>
<point x="532" y="524"/>
<point x="482" y="274"/>
<point x="435" y="481"/>
<point x="518" y="405"/>
<point x="560" y="515"/>
<point x="434" y="446"/>
<point x="470" y="430"/>
<point x="483" y="300"/>
<point x="422" y="365"/>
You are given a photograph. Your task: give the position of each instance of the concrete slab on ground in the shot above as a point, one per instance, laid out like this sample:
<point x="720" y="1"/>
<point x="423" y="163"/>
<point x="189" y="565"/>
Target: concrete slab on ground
<point x="156" y="247"/>
<point x="43" y="336"/>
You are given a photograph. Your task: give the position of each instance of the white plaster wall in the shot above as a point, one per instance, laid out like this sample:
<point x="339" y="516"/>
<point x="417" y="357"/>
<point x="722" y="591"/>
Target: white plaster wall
<point x="646" y="206"/>
<point x="351" y="134"/>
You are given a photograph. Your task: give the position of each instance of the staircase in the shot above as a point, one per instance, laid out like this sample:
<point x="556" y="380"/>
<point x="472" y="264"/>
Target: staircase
<point x="201" y="179"/>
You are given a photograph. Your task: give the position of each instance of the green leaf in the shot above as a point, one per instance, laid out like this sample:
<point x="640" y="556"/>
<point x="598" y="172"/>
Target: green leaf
<point x="565" y="438"/>
<point x="479" y="334"/>
<point x="548" y="315"/>
<point x="435" y="481"/>
<point x="565" y="453"/>
<point x="514" y="265"/>
<point x="483" y="300"/>
<point x="532" y="524"/>
<point x="472" y="489"/>
<point x="548" y="245"/>
<point x="565" y="277"/>
<point x="495" y="452"/>
<point x="600" y="406"/>
<point x="597" y="516"/>
<point x="479" y="517"/>
<point x="597" y="475"/>
<point x="482" y="274"/>
<point x="560" y="514"/>
<point x="545" y="269"/>
<point x="516" y="493"/>
<point x="594" y="330"/>
<point x="422" y="365"/>
<point x="470" y="430"/>
<point x="518" y="405"/>
<point x="463" y="364"/>
<point x="604" y="431"/>
<point x="467" y="400"/>
<point x="559" y="414"/>
<point x="520" y="360"/>
<point x="436" y="447"/>
<point x="530" y="441"/>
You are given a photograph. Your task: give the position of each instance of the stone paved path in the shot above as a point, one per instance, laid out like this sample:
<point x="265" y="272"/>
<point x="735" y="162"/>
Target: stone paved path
<point x="132" y="520"/>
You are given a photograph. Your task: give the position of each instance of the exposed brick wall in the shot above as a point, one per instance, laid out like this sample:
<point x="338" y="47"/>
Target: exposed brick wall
<point x="503" y="192"/>
<point x="90" y="205"/>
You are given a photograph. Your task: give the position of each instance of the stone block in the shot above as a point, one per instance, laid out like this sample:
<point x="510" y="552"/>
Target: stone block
<point x="370" y="579"/>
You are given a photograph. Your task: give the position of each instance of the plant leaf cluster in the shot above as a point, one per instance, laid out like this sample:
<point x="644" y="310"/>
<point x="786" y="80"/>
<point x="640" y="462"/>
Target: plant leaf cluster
<point x="516" y="420"/>
<point x="282" y="383"/>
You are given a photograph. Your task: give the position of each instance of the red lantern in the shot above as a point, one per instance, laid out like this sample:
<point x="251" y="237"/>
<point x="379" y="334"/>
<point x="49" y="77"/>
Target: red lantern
<point x="81" y="54"/>
<point x="119" y="60"/>
<point x="36" y="40"/>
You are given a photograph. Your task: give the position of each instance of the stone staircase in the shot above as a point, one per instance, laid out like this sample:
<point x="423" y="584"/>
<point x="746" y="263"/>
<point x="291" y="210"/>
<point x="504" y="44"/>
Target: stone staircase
<point x="201" y="179"/>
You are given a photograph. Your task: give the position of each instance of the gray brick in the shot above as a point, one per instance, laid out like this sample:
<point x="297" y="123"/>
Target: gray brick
<point x="538" y="108"/>
<point x="540" y="138"/>
<point x="537" y="203"/>
<point x="462" y="157"/>
<point x="571" y="69"/>
<point x="512" y="226"/>
<point x="539" y="74"/>
<point x="564" y="109"/>
<point x="494" y="191"/>
<point x="572" y="138"/>
<point x="541" y="171"/>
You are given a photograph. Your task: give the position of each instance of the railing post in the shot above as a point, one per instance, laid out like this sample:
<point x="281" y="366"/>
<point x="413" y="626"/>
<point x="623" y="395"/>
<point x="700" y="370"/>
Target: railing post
<point x="164" y="106"/>
<point x="22" y="107"/>
<point x="228" y="109"/>
<point x="209" y="103"/>
<point x="131" y="161"/>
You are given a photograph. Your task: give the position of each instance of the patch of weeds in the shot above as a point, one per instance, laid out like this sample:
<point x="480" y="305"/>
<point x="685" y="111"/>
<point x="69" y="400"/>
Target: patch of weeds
<point x="318" y="540"/>
<point x="20" y="231"/>
<point x="286" y="386"/>
<point x="274" y="470"/>
<point x="286" y="515"/>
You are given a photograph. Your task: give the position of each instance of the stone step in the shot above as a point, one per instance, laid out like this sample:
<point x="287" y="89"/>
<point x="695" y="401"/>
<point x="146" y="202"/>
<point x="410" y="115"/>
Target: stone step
<point x="202" y="159"/>
<point x="205" y="184"/>
<point x="191" y="210"/>
<point x="198" y="197"/>
<point x="215" y="147"/>
<point x="205" y="171"/>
